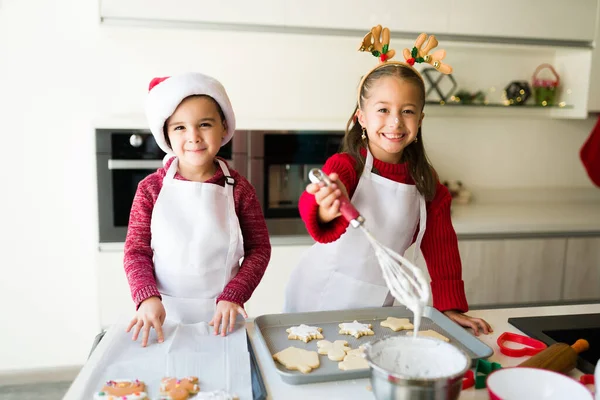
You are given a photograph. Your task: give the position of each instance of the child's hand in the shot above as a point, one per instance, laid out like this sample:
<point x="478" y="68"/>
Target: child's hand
<point x="327" y="198"/>
<point x="225" y="315"/>
<point x="469" y="322"/>
<point x="151" y="313"/>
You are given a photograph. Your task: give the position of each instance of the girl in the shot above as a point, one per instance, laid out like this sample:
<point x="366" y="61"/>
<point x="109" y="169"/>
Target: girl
<point x="193" y="220"/>
<point x="384" y="170"/>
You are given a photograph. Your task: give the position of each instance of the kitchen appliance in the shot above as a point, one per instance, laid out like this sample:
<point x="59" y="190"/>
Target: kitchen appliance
<point x="124" y="157"/>
<point x="279" y="162"/>
<point x="566" y="329"/>
<point x="533" y="383"/>
<point x="416" y="368"/>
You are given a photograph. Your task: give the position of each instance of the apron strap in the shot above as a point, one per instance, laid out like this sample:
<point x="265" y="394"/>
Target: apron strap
<point x="422" y="224"/>
<point x="234" y="228"/>
<point x="368" y="163"/>
<point x="171" y="171"/>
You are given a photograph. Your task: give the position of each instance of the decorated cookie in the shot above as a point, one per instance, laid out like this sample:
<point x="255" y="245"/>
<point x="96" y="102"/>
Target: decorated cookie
<point x="294" y="358"/>
<point x="123" y="389"/>
<point x="355" y="329"/>
<point x="354" y="359"/>
<point x="397" y="324"/>
<point x="432" y="334"/>
<point x="335" y="351"/>
<point x="178" y="389"/>
<point x="304" y="332"/>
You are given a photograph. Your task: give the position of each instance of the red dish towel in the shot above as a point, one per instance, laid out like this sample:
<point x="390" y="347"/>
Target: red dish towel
<point x="590" y="154"/>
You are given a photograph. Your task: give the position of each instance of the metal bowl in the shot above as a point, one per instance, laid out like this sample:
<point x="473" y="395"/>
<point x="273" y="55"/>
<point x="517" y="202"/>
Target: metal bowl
<point x="416" y="368"/>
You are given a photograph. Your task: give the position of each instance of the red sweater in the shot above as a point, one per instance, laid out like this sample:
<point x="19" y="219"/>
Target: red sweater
<point x="138" y="253"/>
<point x="439" y="245"/>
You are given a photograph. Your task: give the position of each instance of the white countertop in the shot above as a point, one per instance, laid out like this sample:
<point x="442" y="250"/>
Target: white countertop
<point x="359" y="388"/>
<point x="526" y="218"/>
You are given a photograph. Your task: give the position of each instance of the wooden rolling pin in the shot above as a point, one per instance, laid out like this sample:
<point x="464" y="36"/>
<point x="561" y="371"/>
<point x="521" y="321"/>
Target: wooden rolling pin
<point x="559" y="357"/>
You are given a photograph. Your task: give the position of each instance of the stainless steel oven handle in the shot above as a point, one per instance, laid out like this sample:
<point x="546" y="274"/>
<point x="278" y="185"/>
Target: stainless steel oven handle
<point x="134" y="164"/>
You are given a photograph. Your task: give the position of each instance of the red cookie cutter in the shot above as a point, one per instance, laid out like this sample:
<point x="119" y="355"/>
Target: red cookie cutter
<point x="587" y="379"/>
<point x="533" y="346"/>
<point x="468" y="380"/>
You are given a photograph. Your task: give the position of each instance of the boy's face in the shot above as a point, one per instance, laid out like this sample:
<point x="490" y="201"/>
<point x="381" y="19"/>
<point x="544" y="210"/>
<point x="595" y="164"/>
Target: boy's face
<point x="195" y="131"/>
<point x="392" y="116"/>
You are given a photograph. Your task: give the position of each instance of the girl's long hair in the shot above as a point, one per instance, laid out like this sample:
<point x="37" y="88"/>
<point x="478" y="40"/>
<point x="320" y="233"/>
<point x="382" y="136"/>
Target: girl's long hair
<point x="414" y="154"/>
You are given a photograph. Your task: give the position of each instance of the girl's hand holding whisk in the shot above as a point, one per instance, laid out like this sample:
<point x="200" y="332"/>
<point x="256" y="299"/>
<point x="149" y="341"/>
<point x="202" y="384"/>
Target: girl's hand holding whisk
<point x="327" y="197"/>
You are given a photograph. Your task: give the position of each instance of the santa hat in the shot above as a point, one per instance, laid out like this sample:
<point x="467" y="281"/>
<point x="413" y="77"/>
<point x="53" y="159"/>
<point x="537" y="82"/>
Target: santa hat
<point x="165" y="94"/>
<point x="590" y="154"/>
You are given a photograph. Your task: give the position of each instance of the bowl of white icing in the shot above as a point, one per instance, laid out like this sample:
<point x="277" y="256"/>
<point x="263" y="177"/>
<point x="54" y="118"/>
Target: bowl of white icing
<point x="406" y="367"/>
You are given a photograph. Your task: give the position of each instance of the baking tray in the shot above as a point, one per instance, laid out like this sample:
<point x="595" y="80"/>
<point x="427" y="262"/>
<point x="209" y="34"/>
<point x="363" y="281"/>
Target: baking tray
<point x="271" y="334"/>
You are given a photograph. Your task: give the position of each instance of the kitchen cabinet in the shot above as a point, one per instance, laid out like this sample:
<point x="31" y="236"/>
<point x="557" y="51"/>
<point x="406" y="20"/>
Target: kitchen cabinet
<point x="531" y="19"/>
<point x="238" y="12"/>
<point x="512" y="271"/>
<point x="582" y="269"/>
<point x="269" y="295"/>
<point x="398" y="15"/>
<point x="114" y="296"/>
<point x="594" y="93"/>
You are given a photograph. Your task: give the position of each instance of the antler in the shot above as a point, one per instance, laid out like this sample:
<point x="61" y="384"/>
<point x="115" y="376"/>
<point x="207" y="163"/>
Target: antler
<point x="420" y="53"/>
<point x="377" y="42"/>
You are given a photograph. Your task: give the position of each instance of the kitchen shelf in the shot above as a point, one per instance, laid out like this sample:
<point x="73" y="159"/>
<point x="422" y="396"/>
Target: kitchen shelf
<point x="499" y="105"/>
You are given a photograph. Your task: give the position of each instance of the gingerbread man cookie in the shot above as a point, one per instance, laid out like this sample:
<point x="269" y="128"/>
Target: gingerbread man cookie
<point x="354" y="359"/>
<point x="397" y="324"/>
<point x="295" y="358"/>
<point x="178" y="389"/>
<point x="355" y="329"/>
<point x="304" y="332"/>
<point x="430" y="333"/>
<point x="335" y="351"/>
<point x="124" y="389"/>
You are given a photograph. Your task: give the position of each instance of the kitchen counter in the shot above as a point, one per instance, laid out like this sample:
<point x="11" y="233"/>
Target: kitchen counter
<point x="360" y="388"/>
<point x="484" y="220"/>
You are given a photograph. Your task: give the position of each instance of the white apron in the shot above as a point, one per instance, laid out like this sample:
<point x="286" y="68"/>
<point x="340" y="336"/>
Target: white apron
<point x="346" y="274"/>
<point x="197" y="244"/>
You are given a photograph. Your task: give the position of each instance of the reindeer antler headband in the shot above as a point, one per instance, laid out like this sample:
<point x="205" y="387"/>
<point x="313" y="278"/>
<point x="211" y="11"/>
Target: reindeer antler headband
<point x="377" y="42"/>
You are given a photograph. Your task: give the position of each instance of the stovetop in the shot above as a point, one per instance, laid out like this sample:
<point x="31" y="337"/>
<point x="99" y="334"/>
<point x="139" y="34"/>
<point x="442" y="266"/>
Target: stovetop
<point x="566" y="329"/>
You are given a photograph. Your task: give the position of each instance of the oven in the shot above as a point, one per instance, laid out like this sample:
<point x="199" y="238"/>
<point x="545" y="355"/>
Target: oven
<point x="126" y="156"/>
<point x="279" y="162"/>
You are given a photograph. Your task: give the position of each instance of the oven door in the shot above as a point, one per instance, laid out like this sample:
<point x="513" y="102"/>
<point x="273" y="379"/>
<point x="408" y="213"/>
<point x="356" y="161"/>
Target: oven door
<point x="117" y="183"/>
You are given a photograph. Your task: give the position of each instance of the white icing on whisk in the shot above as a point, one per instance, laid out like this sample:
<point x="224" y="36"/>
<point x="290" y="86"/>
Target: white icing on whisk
<point x="404" y="279"/>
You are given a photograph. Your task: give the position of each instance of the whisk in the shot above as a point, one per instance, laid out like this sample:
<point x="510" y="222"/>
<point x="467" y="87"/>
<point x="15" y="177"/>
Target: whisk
<point x="405" y="281"/>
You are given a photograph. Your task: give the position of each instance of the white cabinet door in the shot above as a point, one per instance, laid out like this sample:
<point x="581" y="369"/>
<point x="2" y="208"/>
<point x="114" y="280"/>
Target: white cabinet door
<point x="594" y="94"/>
<point x="534" y="19"/>
<point x="582" y="269"/>
<point x="512" y="271"/>
<point x="257" y="12"/>
<point x="114" y="297"/>
<point x="269" y="295"/>
<point x="398" y="15"/>
<point x="429" y="16"/>
<point x="334" y="14"/>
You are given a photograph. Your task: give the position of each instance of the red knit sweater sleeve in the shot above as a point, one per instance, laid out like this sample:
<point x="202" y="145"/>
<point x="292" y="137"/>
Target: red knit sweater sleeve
<point x="440" y="250"/>
<point x="257" y="245"/>
<point x="138" y="264"/>
<point x="343" y="165"/>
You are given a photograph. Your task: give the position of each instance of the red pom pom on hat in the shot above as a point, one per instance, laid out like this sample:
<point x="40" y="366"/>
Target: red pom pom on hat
<point x="156" y="81"/>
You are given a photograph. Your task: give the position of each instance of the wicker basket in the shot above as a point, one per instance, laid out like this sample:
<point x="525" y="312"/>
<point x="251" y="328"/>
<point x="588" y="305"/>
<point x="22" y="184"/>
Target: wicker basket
<point x="545" y="90"/>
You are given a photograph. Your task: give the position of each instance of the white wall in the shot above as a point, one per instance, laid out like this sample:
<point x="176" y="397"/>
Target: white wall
<point x="60" y="71"/>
